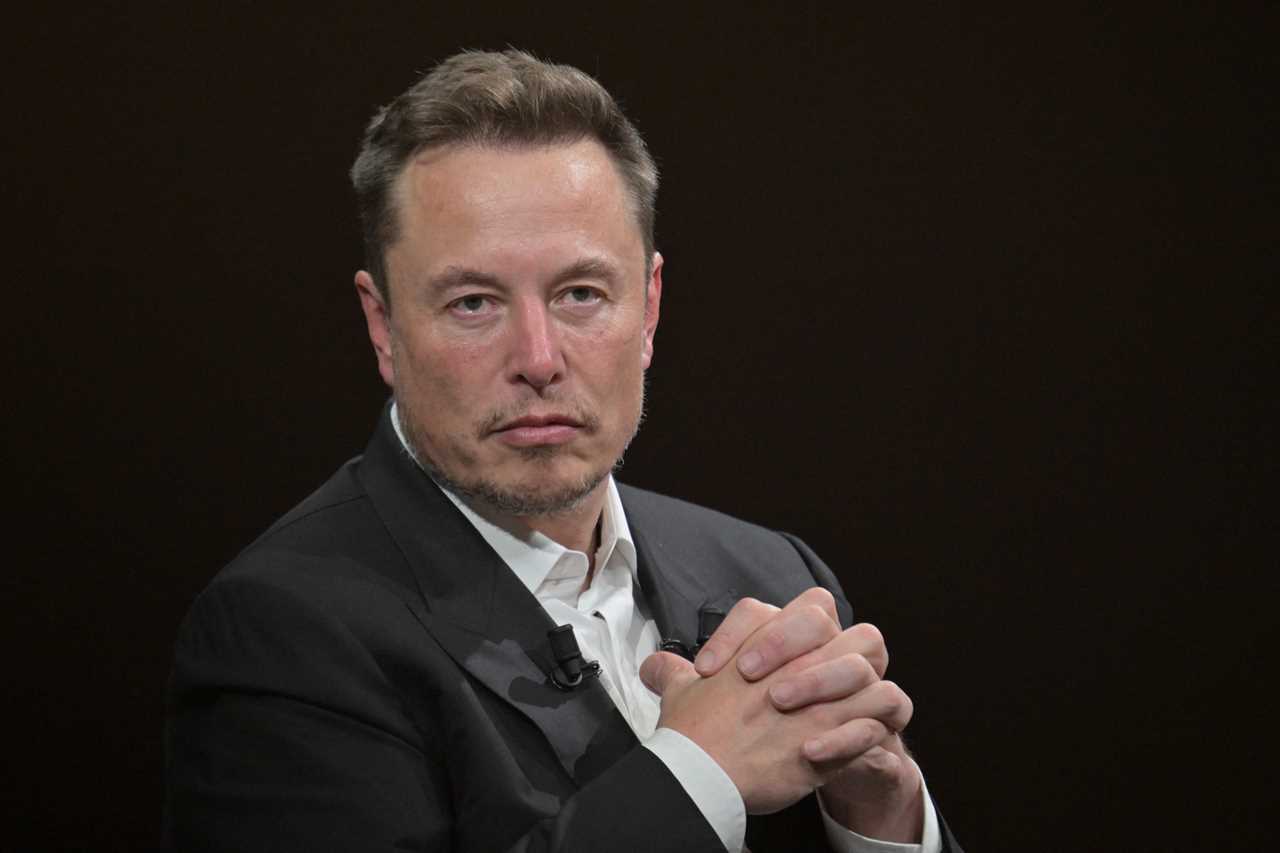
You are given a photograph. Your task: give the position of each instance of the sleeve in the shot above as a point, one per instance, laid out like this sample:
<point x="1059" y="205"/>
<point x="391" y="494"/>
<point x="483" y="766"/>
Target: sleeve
<point x="706" y="783"/>
<point x="283" y="733"/>
<point x="844" y="840"/>
<point x="277" y="737"/>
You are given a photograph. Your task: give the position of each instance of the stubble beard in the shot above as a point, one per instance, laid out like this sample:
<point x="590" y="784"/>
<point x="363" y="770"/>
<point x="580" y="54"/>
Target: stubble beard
<point x="521" y="500"/>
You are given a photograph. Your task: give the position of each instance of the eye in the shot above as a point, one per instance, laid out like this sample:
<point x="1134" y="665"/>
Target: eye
<point x="582" y="295"/>
<point x="472" y="303"/>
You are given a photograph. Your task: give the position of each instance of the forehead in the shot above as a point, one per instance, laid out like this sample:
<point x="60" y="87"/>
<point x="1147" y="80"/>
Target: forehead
<point x="471" y="197"/>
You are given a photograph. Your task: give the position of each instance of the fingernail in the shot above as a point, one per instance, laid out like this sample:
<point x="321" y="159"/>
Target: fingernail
<point x="750" y="663"/>
<point x="705" y="661"/>
<point x="815" y="750"/>
<point x="782" y="693"/>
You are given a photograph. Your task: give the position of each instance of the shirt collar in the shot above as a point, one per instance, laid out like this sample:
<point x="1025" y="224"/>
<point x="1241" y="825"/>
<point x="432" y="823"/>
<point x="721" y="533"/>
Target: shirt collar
<point x="532" y="555"/>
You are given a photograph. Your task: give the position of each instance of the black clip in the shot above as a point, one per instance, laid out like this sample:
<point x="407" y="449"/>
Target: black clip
<point x="677" y="648"/>
<point x="570" y="669"/>
<point x="709" y="619"/>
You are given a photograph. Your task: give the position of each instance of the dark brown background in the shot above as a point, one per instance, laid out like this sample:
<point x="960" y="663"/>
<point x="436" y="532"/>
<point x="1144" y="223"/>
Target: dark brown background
<point x="978" y="305"/>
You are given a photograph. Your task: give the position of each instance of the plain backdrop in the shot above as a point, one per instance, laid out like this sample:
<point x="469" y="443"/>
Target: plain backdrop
<point x="978" y="304"/>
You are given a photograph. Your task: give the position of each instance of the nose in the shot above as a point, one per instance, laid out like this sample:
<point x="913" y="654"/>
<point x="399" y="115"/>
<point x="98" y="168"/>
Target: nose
<point x="536" y="358"/>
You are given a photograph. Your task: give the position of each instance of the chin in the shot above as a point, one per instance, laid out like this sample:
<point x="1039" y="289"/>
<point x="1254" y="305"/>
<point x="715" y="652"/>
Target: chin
<point x="541" y="498"/>
<point x="537" y="485"/>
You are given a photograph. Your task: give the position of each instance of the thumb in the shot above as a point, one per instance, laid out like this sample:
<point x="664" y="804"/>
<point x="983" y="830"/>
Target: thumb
<point x="662" y="670"/>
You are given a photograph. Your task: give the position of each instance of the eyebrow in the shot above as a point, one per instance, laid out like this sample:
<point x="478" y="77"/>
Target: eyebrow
<point x="454" y="276"/>
<point x="591" y="267"/>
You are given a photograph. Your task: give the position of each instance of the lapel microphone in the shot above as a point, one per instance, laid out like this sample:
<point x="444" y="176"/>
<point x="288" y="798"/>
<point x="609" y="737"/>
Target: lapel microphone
<point x="709" y="618"/>
<point x="570" y="669"/>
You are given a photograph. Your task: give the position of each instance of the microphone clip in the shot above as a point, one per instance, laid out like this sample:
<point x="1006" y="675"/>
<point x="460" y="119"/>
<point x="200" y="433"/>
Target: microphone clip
<point x="570" y="669"/>
<point x="709" y="618"/>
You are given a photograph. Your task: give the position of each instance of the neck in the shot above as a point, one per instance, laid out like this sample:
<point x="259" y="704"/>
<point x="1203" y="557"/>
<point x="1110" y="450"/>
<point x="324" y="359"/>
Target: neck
<point x="577" y="529"/>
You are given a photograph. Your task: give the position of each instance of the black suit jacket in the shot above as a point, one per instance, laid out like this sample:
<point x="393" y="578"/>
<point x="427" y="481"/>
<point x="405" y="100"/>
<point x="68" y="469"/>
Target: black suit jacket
<point x="369" y="675"/>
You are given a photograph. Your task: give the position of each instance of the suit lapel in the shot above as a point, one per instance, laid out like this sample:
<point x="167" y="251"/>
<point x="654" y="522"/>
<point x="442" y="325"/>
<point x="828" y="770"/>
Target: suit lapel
<point x="671" y="593"/>
<point x="674" y="590"/>
<point x="483" y="617"/>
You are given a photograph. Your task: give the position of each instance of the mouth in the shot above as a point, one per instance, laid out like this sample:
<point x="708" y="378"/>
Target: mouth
<point x="538" y="430"/>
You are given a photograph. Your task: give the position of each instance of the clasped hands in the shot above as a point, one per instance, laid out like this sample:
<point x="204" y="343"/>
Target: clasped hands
<point x="786" y="702"/>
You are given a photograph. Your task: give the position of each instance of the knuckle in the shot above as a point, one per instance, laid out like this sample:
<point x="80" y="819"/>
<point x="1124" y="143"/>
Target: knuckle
<point x="815" y="616"/>
<point x="865" y="734"/>
<point x="821" y="597"/>
<point x="846" y="671"/>
<point x="906" y="708"/>
<point x="897" y="703"/>
<point x="869" y="633"/>
<point x="869" y="638"/>
<point x="741" y="620"/>
<point x="862" y="670"/>
<point x="880" y="760"/>
<point x="888" y="695"/>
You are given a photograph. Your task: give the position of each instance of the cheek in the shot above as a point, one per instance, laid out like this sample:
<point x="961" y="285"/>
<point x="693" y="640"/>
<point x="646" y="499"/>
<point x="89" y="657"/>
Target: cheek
<point x="433" y="389"/>
<point x="621" y="380"/>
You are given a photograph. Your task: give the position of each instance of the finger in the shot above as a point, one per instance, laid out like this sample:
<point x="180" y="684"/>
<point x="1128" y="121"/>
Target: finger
<point x="662" y="671"/>
<point x="878" y="760"/>
<point x="795" y="631"/>
<point x="743" y="620"/>
<point x="879" y="765"/>
<point x="870" y="644"/>
<point x="819" y="597"/>
<point x="845" y="742"/>
<point x="823" y="682"/>
<point x="862" y="639"/>
<point x="882" y="702"/>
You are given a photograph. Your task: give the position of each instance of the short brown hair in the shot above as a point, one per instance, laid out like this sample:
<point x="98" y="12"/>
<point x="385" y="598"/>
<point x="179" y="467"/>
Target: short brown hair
<point x="508" y="98"/>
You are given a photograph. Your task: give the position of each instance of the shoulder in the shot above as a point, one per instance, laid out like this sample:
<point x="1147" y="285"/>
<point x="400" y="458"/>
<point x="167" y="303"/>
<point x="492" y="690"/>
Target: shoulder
<point x="698" y="534"/>
<point x="318" y="606"/>
<point x="328" y="558"/>
<point x="767" y="564"/>
<point x="340" y="501"/>
<point x="335" y="524"/>
<point x="650" y="508"/>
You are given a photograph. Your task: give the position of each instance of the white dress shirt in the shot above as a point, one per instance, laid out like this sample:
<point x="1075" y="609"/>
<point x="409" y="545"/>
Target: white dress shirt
<point x="613" y="627"/>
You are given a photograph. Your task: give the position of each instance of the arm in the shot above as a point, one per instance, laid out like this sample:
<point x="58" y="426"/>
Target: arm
<point x="277" y="736"/>
<point x="286" y="732"/>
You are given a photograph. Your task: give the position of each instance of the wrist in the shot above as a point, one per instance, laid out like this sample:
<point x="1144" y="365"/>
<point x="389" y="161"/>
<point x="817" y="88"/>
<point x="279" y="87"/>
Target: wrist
<point x="893" y="812"/>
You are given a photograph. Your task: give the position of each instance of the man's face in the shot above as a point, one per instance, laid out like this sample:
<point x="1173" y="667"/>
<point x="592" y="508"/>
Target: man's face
<point x="521" y="324"/>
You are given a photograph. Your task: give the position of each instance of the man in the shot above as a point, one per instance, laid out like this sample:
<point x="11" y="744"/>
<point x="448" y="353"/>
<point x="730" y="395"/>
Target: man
<point x="377" y="671"/>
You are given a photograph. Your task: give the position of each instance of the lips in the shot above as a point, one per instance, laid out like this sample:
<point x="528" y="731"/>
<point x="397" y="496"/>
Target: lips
<point x="540" y="421"/>
<point x="536" y="430"/>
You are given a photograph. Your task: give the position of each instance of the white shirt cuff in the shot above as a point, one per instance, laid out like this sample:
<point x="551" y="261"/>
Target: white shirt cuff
<point x="845" y="840"/>
<point x="710" y="788"/>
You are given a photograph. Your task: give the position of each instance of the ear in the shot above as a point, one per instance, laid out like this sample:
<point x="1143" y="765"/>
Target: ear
<point x="652" y="301"/>
<point x="379" y="322"/>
